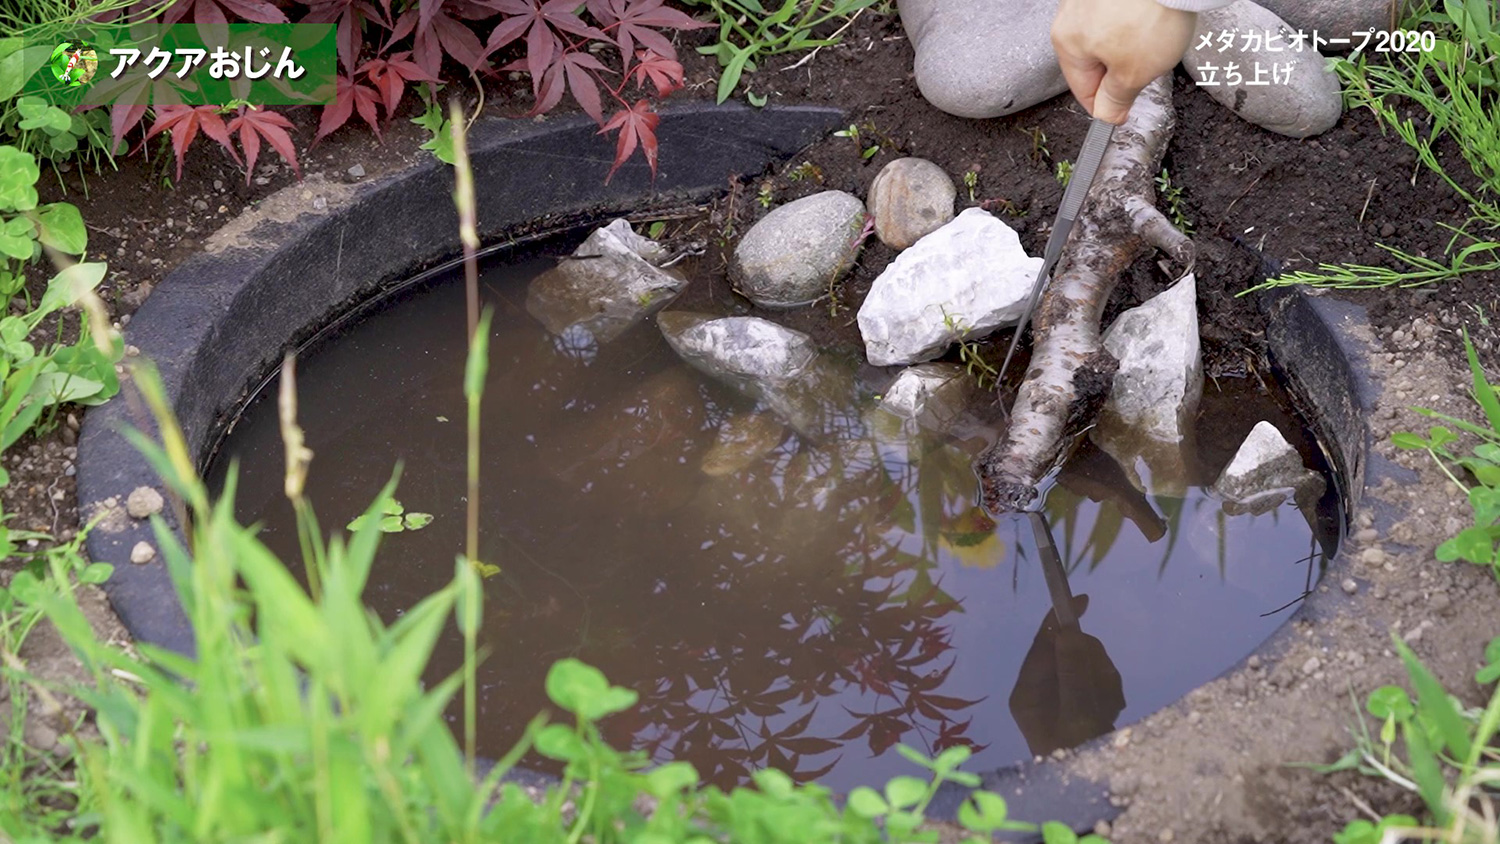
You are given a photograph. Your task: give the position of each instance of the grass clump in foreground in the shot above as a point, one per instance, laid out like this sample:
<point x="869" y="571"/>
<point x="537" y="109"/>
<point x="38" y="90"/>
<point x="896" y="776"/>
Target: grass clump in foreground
<point x="303" y="717"/>
<point x="1457" y="87"/>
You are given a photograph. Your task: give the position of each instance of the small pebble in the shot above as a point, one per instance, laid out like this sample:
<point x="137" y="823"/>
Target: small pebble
<point x="1387" y="230"/>
<point x="357" y="171"/>
<point x="142" y="553"/>
<point x="143" y="502"/>
<point x="1167" y="835"/>
<point x="1254" y="663"/>
<point x="320" y="202"/>
<point x="1349" y="586"/>
<point x="1366" y="535"/>
<point x="1373" y="557"/>
<point x="1312" y="665"/>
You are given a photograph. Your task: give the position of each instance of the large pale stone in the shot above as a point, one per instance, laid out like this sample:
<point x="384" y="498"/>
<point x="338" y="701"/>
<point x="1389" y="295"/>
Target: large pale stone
<point x="1264" y="473"/>
<point x="607" y="285"/>
<point x="983" y="58"/>
<point x="1148" y="418"/>
<point x="962" y="281"/>
<point x="795" y="253"/>
<point x="1308" y="99"/>
<point x="909" y="198"/>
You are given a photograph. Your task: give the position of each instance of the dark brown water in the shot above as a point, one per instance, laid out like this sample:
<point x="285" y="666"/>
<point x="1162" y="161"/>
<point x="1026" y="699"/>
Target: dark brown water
<point x="776" y="602"/>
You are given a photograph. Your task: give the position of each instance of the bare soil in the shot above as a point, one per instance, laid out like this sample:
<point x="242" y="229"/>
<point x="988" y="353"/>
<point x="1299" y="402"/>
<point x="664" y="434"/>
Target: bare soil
<point x="1218" y="767"/>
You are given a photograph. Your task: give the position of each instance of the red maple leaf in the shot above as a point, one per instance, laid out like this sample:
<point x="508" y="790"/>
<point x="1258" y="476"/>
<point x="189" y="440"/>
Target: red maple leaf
<point x="350" y="96"/>
<point x="633" y="20"/>
<point x="572" y="66"/>
<point x="541" y="23"/>
<point x="390" y="76"/>
<point x="213" y="11"/>
<point x="350" y="15"/>
<point x="184" y="123"/>
<point x="253" y="124"/>
<point x="637" y="126"/>
<point x="665" y="73"/>
<point x="435" y="33"/>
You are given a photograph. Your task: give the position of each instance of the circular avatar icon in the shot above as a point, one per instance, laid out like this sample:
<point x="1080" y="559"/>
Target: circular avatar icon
<point x="74" y="63"/>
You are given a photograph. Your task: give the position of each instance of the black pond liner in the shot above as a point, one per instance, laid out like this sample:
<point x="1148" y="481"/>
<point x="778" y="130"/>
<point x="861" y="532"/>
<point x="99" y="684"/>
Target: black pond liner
<point x="265" y="284"/>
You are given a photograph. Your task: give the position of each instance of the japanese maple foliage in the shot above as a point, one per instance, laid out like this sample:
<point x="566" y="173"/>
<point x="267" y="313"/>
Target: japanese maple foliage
<point x="595" y="50"/>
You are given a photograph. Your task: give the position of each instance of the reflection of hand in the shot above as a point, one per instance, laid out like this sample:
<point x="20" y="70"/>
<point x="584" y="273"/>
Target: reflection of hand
<point x="1068" y="690"/>
<point x="1110" y="49"/>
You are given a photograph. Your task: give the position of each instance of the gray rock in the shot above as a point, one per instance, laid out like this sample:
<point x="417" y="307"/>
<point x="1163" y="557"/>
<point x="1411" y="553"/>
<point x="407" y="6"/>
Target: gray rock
<point x="962" y="281"/>
<point x="795" y="253"/>
<point x="909" y="198"/>
<point x="142" y="553"/>
<point x="1264" y="473"/>
<point x="609" y="284"/>
<point x="742" y="439"/>
<point x="1305" y="100"/>
<point x="983" y="58"/>
<point x="778" y="366"/>
<point x="1160" y="379"/>
<point x="357" y="171"/>
<point x="1338" y="18"/>
<point x="143" y="502"/>
<point x="1147" y="419"/>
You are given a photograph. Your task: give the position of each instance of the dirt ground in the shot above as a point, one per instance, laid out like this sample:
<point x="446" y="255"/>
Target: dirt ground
<point x="1217" y="767"/>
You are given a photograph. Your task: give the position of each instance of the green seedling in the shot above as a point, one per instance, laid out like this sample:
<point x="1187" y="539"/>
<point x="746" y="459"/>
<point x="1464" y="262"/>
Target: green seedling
<point x="1064" y="172"/>
<point x="971" y="182"/>
<point x="392" y="518"/>
<point x="1172" y="195"/>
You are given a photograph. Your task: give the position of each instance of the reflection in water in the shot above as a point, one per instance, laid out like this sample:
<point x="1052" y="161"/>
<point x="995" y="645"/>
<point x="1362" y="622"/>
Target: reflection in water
<point x="799" y="592"/>
<point x="1068" y="691"/>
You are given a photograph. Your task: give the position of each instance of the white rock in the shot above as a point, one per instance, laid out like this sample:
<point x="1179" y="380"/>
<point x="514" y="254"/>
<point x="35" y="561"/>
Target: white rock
<point x="909" y="198"/>
<point x="794" y="254"/>
<point x="1306" y="101"/>
<point x="1264" y="473"/>
<point x="983" y="58"/>
<point x="609" y="284"/>
<point x="142" y="502"/>
<point x="1146" y="424"/>
<point x="1160" y="380"/>
<point x="778" y="366"/>
<point x="142" y="553"/>
<point x="962" y="281"/>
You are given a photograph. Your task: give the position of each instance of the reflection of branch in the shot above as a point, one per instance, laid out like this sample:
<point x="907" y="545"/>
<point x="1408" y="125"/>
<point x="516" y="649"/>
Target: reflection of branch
<point x="1096" y="476"/>
<point x="1052" y="570"/>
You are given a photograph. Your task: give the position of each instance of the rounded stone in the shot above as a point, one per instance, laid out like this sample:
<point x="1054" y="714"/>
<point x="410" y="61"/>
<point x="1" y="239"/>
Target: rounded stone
<point x="983" y="58"/>
<point x="142" y="553"/>
<point x="795" y="253"/>
<point x="909" y="198"/>
<point x="1278" y="88"/>
<point x="143" y="502"/>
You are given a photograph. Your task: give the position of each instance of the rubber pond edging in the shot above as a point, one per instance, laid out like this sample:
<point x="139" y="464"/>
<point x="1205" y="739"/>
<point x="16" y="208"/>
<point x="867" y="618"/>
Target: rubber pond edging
<point x="221" y="320"/>
<point x="275" y="276"/>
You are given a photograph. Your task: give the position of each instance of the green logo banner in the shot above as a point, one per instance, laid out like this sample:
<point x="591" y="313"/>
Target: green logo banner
<point x="189" y="64"/>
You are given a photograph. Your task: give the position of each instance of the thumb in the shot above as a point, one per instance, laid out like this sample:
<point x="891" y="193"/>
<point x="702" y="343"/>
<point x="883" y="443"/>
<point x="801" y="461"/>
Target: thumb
<point x="1116" y="95"/>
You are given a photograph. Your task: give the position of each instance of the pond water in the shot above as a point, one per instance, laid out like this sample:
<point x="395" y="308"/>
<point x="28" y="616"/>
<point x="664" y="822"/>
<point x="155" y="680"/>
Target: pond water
<point x="777" y="601"/>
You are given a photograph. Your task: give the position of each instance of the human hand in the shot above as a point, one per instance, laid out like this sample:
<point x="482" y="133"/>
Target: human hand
<point x="1110" y="49"/>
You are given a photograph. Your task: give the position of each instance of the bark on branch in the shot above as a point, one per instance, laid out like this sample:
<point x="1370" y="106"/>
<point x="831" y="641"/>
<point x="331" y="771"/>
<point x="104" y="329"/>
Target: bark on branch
<point x="1070" y="374"/>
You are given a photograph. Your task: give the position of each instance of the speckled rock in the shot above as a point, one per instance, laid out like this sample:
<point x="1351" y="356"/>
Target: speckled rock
<point x="795" y="253"/>
<point x="983" y="58"/>
<point x="909" y="198"/>
<point x="1300" y="100"/>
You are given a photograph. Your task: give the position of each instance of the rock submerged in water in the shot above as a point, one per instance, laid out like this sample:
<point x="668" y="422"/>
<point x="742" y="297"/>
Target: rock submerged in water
<point x="983" y="58"/>
<point x="909" y="198"/>
<point x="1307" y="100"/>
<point x="940" y="399"/>
<point x="962" y="281"/>
<point x="1264" y="473"/>
<point x="1148" y="417"/>
<point x="768" y="362"/>
<point x="794" y="254"/>
<point x="609" y="283"/>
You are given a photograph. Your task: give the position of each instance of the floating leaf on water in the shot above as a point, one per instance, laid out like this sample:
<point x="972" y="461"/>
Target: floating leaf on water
<point x="391" y="524"/>
<point x="486" y="570"/>
<point x="393" y="508"/>
<point x="442" y="419"/>
<point x="417" y="521"/>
